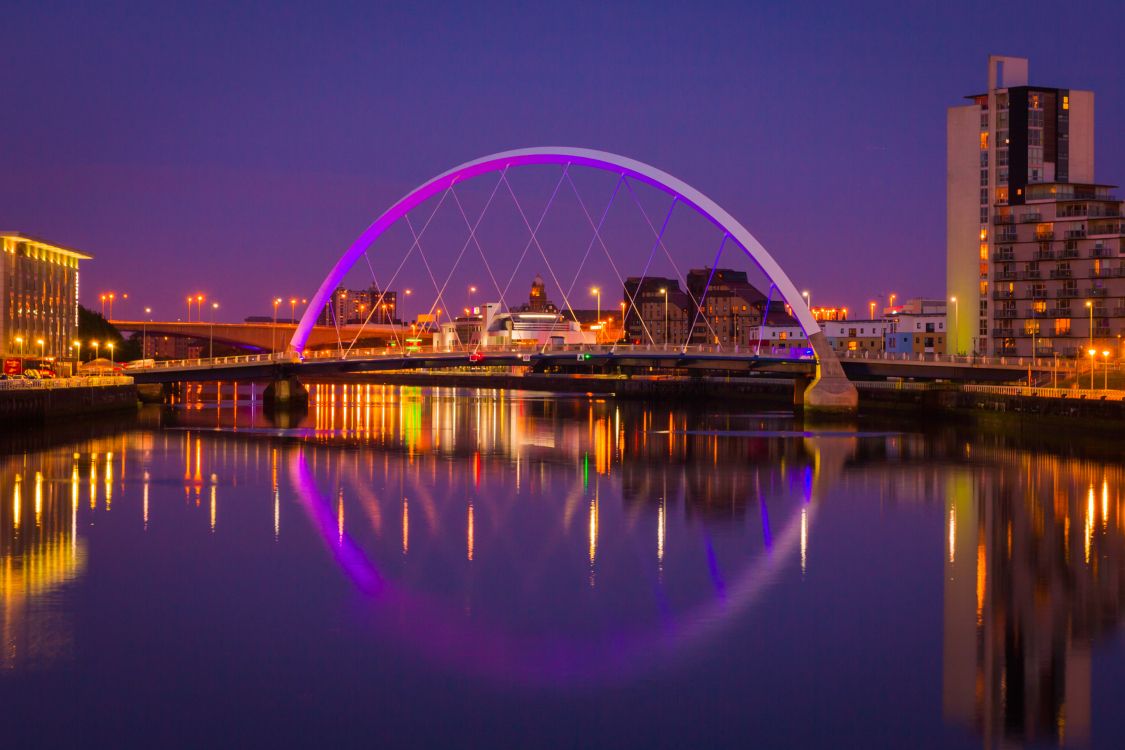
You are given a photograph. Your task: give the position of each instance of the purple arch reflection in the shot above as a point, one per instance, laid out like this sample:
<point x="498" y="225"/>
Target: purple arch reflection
<point x="564" y="155"/>
<point x="440" y="632"/>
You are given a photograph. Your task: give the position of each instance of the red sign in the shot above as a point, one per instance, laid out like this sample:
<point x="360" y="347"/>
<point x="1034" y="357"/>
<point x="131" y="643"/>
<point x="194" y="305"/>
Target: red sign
<point x="13" y="367"/>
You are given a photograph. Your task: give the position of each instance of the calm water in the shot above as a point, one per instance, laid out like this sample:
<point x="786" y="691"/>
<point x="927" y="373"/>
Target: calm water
<point x="406" y="567"/>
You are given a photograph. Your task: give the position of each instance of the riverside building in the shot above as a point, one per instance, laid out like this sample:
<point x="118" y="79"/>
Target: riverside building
<point x="1034" y="244"/>
<point x="38" y="297"/>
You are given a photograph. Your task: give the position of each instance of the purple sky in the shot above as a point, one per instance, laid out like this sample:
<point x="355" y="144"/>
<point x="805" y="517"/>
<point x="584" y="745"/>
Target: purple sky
<point x="238" y="152"/>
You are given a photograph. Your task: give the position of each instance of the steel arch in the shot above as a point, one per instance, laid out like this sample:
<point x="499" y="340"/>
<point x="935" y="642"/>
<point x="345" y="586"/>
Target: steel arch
<point x="564" y="155"/>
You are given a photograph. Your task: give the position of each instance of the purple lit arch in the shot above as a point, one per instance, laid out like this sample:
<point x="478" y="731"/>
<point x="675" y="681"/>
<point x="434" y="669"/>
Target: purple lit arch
<point x="563" y="155"/>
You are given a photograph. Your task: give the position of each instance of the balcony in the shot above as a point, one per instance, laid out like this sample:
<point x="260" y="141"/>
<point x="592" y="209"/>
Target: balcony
<point x="1040" y="314"/>
<point x="1075" y="234"/>
<point x="1119" y="311"/>
<point x="1006" y="237"/>
<point x="1108" y="272"/>
<point x="1067" y="292"/>
<point x="1003" y="333"/>
<point x="1000" y="220"/>
<point x="1069" y="253"/>
<point x="1060" y="273"/>
<point x="1006" y="276"/>
<point x="1096" y="291"/>
<point x="1102" y="252"/>
<point x="1039" y="293"/>
<point x="1006" y="314"/>
<point x="1000" y="257"/>
<point x="1031" y="274"/>
<point x="1031" y="218"/>
<point x="1045" y="236"/>
<point x="1003" y="294"/>
<point x="1044" y="254"/>
<point x="1102" y="331"/>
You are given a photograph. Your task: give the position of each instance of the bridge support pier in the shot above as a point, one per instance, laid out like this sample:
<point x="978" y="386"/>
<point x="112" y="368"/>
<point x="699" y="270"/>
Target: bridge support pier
<point x="830" y="392"/>
<point x="287" y="390"/>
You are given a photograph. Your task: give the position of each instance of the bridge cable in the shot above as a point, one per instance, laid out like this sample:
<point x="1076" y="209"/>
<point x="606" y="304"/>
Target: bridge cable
<point x="667" y="254"/>
<point x="651" y="255"/>
<point x="707" y="288"/>
<point x="535" y="239"/>
<point x="597" y="233"/>
<point x="597" y="229"/>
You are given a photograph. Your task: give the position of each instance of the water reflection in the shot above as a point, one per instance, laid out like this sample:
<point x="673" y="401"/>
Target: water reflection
<point x="528" y="539"/>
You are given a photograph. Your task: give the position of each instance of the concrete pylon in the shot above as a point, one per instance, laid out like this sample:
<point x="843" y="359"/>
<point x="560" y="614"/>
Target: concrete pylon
<point x="830" y="391"/>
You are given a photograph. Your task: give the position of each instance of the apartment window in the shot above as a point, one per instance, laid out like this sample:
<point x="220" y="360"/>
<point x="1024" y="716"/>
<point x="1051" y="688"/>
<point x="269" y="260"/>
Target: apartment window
<point x="1002" y="176"/>
<point x="1001" y="195"/>
<point x="1035" y="155"/>
<point x="984" y="251"/>
<point x="1001" y="157"/>
<point x="984" y="141"/>
<point x="984" y="158"/>
<point x="984" y="195"/>
<point x="1030" y="327"/>
<point x="983" y="288"/>
<point x="1039" y="306"/>
<point x="1066" y="102"/>
<point x="984" y="178"/>
<point x="1062" y="326"/>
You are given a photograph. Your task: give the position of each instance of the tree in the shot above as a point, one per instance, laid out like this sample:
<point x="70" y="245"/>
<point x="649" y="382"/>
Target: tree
<point x="93" y="327"/>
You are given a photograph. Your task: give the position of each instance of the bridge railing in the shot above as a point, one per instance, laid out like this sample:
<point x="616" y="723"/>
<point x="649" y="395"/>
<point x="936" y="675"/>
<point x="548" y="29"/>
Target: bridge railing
<point x="1061" y="363"/>
<point x="27" y="384"/>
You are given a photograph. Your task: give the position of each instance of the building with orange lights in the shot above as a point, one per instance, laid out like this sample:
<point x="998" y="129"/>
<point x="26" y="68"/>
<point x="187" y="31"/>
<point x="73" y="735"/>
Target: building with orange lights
<point x="38" y="297"/>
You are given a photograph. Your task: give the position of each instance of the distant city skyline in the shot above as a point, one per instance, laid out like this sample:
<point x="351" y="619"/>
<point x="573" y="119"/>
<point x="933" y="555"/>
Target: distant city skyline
<point x="252" y="146"/>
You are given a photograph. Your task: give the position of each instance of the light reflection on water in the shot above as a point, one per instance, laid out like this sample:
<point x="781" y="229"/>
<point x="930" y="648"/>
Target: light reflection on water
<point x="524" y="541"/>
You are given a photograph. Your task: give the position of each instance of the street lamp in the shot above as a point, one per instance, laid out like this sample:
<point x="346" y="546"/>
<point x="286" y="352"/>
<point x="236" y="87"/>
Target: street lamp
<point x="77" y="346"/>
<point x="19" y="340"/>
<point x="211" y="343"/>
<point x="111" y="295"/>
<point x="956" y="321"/>
<point x="1090" y="306"/>
<point x="42" y="348"/>
<point x="1105" y="355"/>
<point x="808" y="300"/>
<point x="891" y="299"/>
<point x="144" y="332"/>
<point x="472" y="290"/>
<point x="872" y="306"/>
<point x="1093" y="362"/>
<point x="189" y="309"/>
<point x="95" y="345"/>
<point x="273" y="332"/>
<point x="664" y="291"/>
<point x="110" y="345"/>
<point x="292" y="309"/>
<point x="597" y="291"/>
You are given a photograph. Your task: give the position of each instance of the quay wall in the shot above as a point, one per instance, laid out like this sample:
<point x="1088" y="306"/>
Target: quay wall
<point x="43" y="404"/>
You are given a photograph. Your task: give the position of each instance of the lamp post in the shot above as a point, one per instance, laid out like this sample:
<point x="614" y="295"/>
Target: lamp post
<point x="199" y="308"/>
<point x="101" y="297"/>
<point x="808" y="300"/>
<point x="211" y="342"/>
<point x="598" y="293"/>
<point x="111" y="295"/>
<point x="1090" y="307"/>
<point x="77" y="346"/>
<point x="19" y="340"/>
<point x="664" y="291"/>
<point x="292" y="309"/>
<point x="1105" y="355"/>
<point x="188" y="309"/>
<point x="42" y="348"/>
<point x="273" y="332"/>
<point x="144" y="332"/>
<point x="957" y="320"/>
<point x="872" y="306"/>
<point x="1093" y="362"/>
<point x="891" y="299"/>
<point x="110" y="345"/>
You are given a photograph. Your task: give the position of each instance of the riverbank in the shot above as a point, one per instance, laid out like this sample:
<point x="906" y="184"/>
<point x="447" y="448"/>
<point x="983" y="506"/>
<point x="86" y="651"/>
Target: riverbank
<point x="31" y="401"/>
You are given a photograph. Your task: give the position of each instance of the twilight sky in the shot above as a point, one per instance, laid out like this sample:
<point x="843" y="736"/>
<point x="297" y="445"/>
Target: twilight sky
<point x="238" y="151"/>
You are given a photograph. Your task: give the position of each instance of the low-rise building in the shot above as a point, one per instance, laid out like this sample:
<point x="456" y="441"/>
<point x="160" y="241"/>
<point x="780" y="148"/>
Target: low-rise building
<point x="848" y="337"/>
<point x="778" y="340"/>
<point x="917" y="334"/>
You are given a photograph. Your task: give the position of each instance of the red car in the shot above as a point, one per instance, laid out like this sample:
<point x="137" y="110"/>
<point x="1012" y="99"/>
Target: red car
<point x="476" y="357"/>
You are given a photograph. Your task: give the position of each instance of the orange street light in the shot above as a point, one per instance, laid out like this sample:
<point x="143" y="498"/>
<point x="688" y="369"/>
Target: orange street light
<point x="1093" y="361"/>
<point x="42" y="347"/>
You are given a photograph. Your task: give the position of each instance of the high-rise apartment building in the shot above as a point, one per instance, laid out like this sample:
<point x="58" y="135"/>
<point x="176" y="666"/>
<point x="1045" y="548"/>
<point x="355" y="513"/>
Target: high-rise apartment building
<point x="1033" y="244"/>
<point x="38" y="297"/>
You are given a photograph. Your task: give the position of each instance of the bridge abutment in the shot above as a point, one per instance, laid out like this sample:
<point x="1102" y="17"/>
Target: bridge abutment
<point x="830" y="392"/>
<point x="287" y="390"/>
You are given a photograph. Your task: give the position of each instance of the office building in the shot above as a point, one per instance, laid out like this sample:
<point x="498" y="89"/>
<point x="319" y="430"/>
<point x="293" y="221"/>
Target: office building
<point x="1033" y="243"/>
<point x="38" y="297"/>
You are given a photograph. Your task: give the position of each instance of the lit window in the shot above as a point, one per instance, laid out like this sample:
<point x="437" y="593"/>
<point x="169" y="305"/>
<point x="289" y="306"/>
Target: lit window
<point x="984" y="141"/>
<point x="1066" y="102"/>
